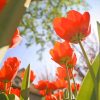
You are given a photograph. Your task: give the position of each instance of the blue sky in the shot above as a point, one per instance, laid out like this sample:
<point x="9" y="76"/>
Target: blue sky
<point x="29" y="56"/>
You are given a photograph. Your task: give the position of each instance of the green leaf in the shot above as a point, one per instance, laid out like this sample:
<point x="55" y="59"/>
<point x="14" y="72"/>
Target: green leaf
<point x="99" y="83"/>
<point x="25" y="85"/>
<point x="3" y="50"/>
<point x="87" y="88"/>
<point x="98" y="26"/>
<point x="13" y="97"/>
<point x="10" y="18"/>
<point x="98" y="87"/>
<point x="3" y="96"/>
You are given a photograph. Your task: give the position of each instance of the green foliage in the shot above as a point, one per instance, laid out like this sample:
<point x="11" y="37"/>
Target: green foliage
<point x="87" y="89"/>
<point x="9" y="20"/>
<point x="3" y="96"/>
<point x="25" y="85"/>
<point x="36" y="24"/>
<point x="98" y="76"/>
<point x="98" y="25"/>
<point x="98" y="83"/>
<point x="13" y="97"/>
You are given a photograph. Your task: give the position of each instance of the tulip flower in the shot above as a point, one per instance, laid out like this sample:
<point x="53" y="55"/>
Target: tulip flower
<point x="61" y="83"/>
<point x="62" y="53"/>
<point x="9" y="69"/>
<point x="63" y="70"/>
<point x="73" y="87"/>
<point x="2" y="86"/>
<point x="74" y="27"/>
<point x="16" y="39"/>
<point x="55" y="96"/>
<point x="46" y="87"/>
<point x="32" y="75"/>
<point x="15" y="91"/>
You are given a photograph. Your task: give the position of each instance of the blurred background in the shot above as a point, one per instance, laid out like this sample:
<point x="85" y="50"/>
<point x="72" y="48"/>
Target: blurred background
<point x="39" y="36"/>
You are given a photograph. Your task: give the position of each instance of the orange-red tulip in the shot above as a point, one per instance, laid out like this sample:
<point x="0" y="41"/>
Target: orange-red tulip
<point x="46" y="87"/>
<point x="16" y="39"/>
<point x="61" y="84"/>
<point x="9" y="69"/>
<point x="42" y="84"/>
<point x="62" y="53"/>
<point x="74" y="27"/>
<point x="63" y="70"/>
<point x="15" y="91"/>
<point x="73" y="87"/>
<point x="55" y="96"/>
<point x="2" y="86"/>
<point x="32" y="75"/>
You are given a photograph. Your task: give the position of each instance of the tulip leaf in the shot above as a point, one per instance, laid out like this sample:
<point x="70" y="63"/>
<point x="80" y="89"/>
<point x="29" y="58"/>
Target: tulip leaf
<point x="25" y="85"/>
<point x="98" y="26"/>
<point x="98" y="85"/>
<point x="10" y="18"/>
<point x="87" y="89"/>
<point x="3" y="96"/>
<point x="3" y="50"/>
<point x="13" y="97"/>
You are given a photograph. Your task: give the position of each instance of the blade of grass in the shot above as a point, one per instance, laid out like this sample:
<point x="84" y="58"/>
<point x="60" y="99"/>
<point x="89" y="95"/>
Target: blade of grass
<point x="25" y="85"/>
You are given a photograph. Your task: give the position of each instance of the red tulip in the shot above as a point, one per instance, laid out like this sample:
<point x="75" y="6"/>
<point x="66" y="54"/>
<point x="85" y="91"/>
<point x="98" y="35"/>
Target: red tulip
<point x="45" y="84"/>
<point x="73" y="87"/>
<point x="50" y="97"/>
<point x="2" y="86"/>
<point x="61" y="84"/>
<point x="9" y="69"/>
<point x="62" y="53"/>
<point x="16" y="39"/>
<point x="2" y="4"/>
<point x="15" y="91"/>
<point x="74" y="27"/>
<point x="59" y="95"/>
<point x="46" y="87"/>
<point x="32" y="75"/>
<point x="42" y="84"/>
<point x="63" y="70"/>
<point x="55" y="96"/>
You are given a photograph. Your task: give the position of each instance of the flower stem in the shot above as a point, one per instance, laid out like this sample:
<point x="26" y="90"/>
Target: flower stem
<point x="69" y="86"/>
<point x="74" y="83"/>
<point x="10" y="88"/>
<point x="5" y="86"/>
<point x="88" y="63"/>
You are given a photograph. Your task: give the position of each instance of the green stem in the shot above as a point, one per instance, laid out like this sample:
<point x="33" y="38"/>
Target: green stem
<point x="65" y="94"/>
<point x="88" y="63"/>
<point x="90" y="69"/>
<point x="74" y="83"/>
<point x="69" y="86"/>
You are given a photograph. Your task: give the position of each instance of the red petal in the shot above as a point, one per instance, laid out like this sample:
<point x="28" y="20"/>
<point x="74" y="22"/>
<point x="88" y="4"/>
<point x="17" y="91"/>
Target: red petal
<point x="57" y="23"/>
<point x="74" y="15"/>
<point x="2" y="4"/>
<point x="16" y="39"/>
